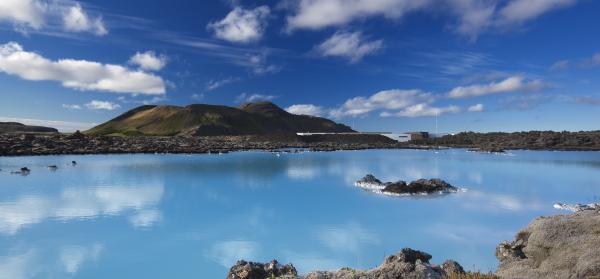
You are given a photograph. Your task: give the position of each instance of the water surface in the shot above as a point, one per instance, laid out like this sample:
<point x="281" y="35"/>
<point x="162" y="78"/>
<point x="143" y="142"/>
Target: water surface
<point x="193" y="216"/>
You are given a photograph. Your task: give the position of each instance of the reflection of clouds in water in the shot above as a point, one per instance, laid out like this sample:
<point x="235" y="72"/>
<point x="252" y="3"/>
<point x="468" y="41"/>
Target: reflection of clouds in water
<point x="473" y="199"/>
<point x="476" y="177"/>
<point x="346" y="238"/>
<point x="310" y="262"/>
<point x="18" y="266"/>
<point x="33" y="263"/>
<point x="227" y="253"/>
<point x="145" y="218"/>
<point x="72" y="257"/>
<point x="75" y="203"/>
<point x="301" y="171"/>
<point x="468" y="234"/>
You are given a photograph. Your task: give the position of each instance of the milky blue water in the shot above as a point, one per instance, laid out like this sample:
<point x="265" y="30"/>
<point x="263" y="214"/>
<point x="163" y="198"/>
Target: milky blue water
<point x="193" y="216"/>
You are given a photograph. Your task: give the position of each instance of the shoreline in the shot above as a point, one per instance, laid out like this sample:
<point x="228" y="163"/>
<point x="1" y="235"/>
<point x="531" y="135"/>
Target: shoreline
<point x="16" y="145"/>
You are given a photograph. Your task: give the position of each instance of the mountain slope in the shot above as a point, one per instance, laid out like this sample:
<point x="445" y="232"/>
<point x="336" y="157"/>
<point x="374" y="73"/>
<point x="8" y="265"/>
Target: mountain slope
<point x="210" y="120"/>
<point x="14" y="127"/>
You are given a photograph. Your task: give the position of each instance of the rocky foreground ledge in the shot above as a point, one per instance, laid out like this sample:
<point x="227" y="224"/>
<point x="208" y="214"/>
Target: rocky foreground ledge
<point x="406" y="264"/>
<point x="562" y="246"/>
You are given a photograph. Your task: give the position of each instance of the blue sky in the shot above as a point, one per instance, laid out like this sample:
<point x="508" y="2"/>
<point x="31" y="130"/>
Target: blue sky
<point x="386" y="65"/>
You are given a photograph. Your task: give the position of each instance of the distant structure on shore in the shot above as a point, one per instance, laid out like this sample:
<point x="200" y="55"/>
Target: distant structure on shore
<point x="400" y="137"/>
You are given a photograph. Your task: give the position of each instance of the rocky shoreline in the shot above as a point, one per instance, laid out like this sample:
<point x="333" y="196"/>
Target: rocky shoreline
<point x="78" y="143"/>
<point x="561" y="246"/>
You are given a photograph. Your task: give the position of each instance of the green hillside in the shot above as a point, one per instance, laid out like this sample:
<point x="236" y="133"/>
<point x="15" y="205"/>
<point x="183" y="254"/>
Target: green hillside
<point x="211" y="120"/>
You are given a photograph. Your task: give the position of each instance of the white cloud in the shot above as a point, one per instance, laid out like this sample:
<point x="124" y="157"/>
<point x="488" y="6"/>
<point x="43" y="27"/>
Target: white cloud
<point x="242" y="26"/>
<point x="77" y="20"/>
<point x="73" y="256"/>
<point x="63" y="126"/>
<point x="393" y="99"/>
<point x="476" y="108"/>
<point x="227" y="253"/>
<point x="306" y="109"/>
<point x="23" y="12"/>
<point x="348" y="45"/>
<point x="76" y="204"/>
<point x="214" y="84"/>
<point x="148" y="61"/>
<point x="71" y="106"/>
<point x="317" y="14"/>
<point x="519" y="11"/>
<point x="102" y="105"/>
<point x="52" y="15"/>
<point x="511" y="84"/>
<point x="473" y="16"/>
<point x="251" y="98"/>
<point x="78" y="74"/>
<point x="422" y="110"/>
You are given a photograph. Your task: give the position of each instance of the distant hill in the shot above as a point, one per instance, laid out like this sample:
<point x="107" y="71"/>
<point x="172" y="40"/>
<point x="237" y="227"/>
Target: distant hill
<point x="211" y="120"/>
<point x="14" y="127"/>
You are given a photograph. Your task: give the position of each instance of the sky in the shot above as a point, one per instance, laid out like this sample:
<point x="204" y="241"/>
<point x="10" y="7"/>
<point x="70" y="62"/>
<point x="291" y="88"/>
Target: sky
<point x="376" y="65"/>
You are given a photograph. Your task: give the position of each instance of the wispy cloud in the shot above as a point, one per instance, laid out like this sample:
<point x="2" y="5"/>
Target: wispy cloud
<point x="250" y="98"/>
<point x="524" y="102"/>
<point x="71" y="106"/>
<point x="350" y="45"/>
<point x="511" y="84"/>
<point x="214" y="84"/>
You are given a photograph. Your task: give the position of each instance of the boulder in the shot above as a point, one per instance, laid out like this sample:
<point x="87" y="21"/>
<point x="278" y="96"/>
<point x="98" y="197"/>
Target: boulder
<point x="252" y="270"/>
<point x="370" y="182"/>
<point x="562" y="246"/>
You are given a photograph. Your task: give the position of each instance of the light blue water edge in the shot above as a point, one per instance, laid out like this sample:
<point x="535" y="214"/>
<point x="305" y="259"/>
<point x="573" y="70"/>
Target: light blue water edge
<point x="193" y="216"/>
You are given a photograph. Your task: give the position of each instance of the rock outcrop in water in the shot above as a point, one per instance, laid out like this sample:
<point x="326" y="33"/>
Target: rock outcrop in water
<point x="252" y="270"/>
<point x="563" y="246"/>
<point x="408" y="263"/>
<point x="417" y="187"/>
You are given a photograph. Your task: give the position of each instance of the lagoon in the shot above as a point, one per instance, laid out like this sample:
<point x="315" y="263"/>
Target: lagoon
<point x="193" y="216"/>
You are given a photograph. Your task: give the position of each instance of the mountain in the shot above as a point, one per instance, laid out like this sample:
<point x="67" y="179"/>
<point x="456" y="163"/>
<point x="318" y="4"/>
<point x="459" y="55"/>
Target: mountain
<point x="14" y="127"/>
<point x="211" y="120"/>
